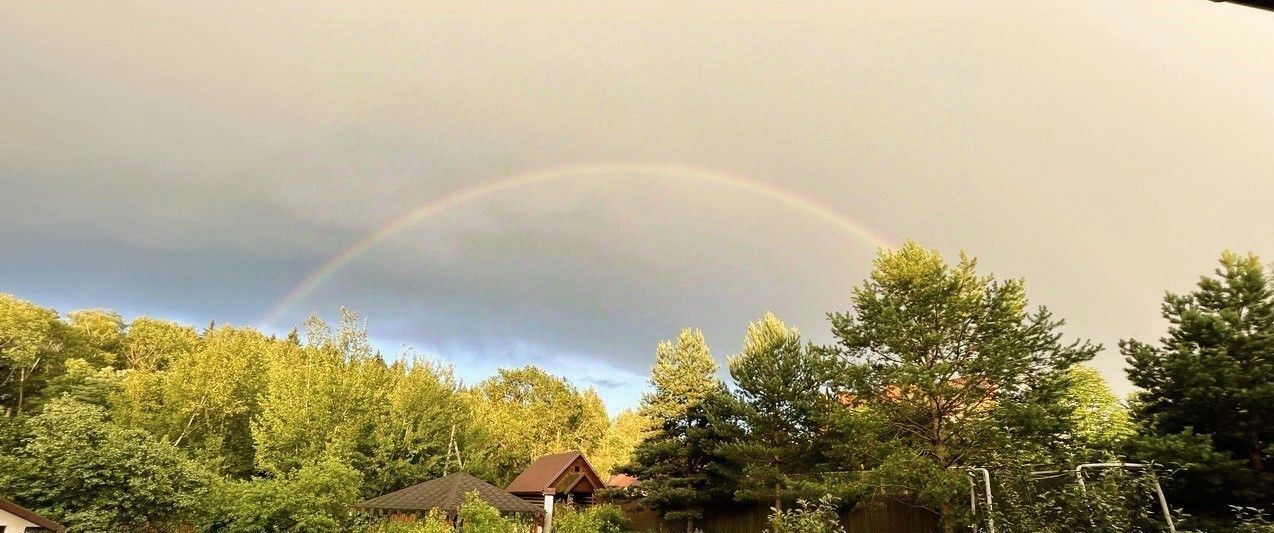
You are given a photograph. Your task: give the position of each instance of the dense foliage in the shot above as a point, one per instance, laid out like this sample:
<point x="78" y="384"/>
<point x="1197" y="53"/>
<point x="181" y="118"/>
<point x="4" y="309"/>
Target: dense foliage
<point x="603" y="518"/>
<point x="820" y="516"/>
<point x="934" y="370"/>
<point x="937" y="369"/>
<point x="680" y="462"/>
<point x="150" y="425"/>
<point x="1207" y="399"/>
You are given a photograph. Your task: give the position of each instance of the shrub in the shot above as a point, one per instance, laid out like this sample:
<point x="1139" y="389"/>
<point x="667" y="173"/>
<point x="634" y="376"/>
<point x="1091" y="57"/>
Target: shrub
<point x="1253" y="520"/>
<point x="435" y="522"/>
<point x="478" y="516"/>
<point x="1115" y="501"/>
<point x="593" y="519"/>
<point x="80" y="468"/>
<point x="820" y="516"/>
<point x="315" y="498"/>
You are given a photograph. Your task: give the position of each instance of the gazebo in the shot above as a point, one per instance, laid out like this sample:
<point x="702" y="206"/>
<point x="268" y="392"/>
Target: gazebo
<point x="446" y="494"/>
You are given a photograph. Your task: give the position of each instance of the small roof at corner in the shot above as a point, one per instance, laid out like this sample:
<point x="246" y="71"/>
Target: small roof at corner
<point x="623" y="481"/>
<point x="30" y="516"/>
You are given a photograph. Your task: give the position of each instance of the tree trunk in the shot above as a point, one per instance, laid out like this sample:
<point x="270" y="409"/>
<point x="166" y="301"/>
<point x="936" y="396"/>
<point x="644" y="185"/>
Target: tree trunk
<point x="940" y="454"/>
<point x="778" y="508"/>
<point x="22" y="385"/>
<point x="1254" y="458"/>
<point x="690" y="525"/>
<point x="945" y="510"/>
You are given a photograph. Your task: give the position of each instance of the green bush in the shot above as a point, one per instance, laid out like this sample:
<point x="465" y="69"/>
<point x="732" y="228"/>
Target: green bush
<point x="434" y="522"/>
<point x="1253" y="520"/>
<point x="315" y="498"/>
<point x="75" y="465"/>
<point x="1115" y="501"/>
<point x="602" y="518"/>
<point x="478" y="516"/>
<point x="820" y="516"/>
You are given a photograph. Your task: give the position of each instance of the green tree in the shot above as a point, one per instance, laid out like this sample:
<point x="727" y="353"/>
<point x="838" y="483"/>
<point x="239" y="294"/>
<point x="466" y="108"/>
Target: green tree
<point x="684" y="373"/>
<point x="150" y="344"/>
<point x="86" y="383"/>
<point x="478" y="516"/>
<point x="87" y="472"/>
<point x="322" y="399"/>
<point x="1100" y="421"/>
<point x="957" y="368"/>
<point x="1207" y="395"/>
<point x="528" y="412"/>
<point x="32" y="342"/>
<point x="314" y="498"/>
<point x="683" y="467"/>
<point x="210" y="396"/>
<point x="601" y="518"/>
<point x="98" y="334"/>
<point x="819" y="516"/>
<point x="781" y="386"/>
<point x="624" y="433"/>
<point x="423" y="412"/>
<point x="680" y="463"/>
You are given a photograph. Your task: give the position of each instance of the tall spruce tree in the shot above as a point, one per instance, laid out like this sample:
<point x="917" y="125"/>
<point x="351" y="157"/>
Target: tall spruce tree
<point x="1207" y="395"/>
<point x="956" y="367"/>
<point x="679" y="464"/>
<point x="684" y="373"/>
<point x="780" y="385"/>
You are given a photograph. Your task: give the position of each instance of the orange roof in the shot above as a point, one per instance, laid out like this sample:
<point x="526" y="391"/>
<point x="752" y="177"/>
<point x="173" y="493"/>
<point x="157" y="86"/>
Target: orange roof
<point x="622" y="481"/>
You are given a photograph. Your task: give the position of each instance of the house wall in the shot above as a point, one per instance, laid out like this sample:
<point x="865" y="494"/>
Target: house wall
<point x="11" y="523"/>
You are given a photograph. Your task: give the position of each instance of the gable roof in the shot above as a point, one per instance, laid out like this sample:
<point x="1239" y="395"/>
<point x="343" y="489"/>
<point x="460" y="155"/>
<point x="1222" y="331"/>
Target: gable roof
<point x="448" y="493"/>
<point x="30" y="516"/>
<point x="540" y="476"/>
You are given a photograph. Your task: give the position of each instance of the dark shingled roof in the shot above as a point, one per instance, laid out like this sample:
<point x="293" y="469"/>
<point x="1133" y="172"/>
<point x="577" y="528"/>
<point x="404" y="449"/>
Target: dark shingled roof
<point x="447" y="493"/>
<point x="31" y="516"/>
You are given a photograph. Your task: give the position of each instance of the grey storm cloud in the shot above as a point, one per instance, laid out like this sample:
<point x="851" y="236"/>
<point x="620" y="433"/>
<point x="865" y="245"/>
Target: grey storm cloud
<point x="198" y="161"/>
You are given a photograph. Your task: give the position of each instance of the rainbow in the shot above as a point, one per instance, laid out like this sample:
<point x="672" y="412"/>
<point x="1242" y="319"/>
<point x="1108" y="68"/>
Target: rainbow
<point x="318" y="276"/>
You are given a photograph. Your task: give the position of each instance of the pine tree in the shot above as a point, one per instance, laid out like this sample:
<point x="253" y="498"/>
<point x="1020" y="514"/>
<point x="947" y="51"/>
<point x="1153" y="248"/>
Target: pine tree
<point x="684" y="373"/>
<point x="957" y="369"/>
<point x="1210" y="382"/>
<point x="780" y="385"/>
<point x="680" y="464"/>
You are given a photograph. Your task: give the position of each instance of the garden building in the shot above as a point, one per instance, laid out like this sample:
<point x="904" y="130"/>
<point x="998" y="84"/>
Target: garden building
<point x="561" y="478"/>
<point x="445" y="494"/>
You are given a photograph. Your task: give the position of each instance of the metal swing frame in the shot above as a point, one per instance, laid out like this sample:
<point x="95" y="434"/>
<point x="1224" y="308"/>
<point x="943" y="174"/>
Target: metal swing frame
<point x="985" y="474"/>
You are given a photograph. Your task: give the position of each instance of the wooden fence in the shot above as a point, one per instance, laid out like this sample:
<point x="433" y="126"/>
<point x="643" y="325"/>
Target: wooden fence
<point x="884" y="517"/>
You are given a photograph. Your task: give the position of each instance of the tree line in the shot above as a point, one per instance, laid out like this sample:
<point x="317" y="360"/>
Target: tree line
<point x="935" y="368"/>
<point x="151" y="425"/>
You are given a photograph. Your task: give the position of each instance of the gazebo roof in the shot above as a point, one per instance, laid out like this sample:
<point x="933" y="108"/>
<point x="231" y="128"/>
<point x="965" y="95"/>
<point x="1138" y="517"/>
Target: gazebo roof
<point x="447" y="493"/>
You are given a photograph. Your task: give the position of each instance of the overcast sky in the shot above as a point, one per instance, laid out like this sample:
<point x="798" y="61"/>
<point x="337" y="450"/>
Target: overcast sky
<point x="197" y="160"/>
